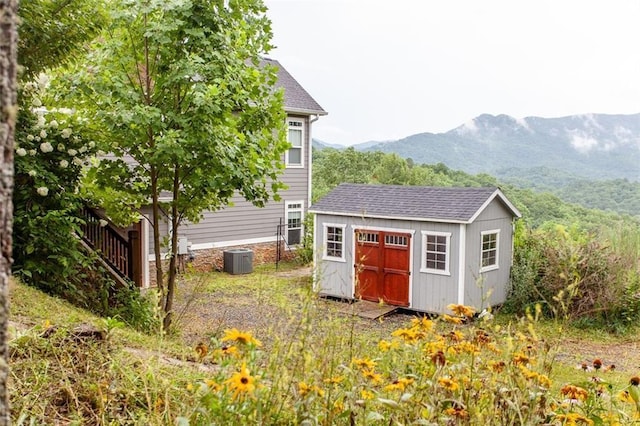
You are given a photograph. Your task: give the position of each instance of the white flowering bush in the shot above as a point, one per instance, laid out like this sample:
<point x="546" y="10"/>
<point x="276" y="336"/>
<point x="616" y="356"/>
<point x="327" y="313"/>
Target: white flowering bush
<point x="50" y="155"/>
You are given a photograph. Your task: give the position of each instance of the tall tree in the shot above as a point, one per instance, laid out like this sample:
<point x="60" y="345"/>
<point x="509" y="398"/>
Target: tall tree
<point x="8" y="113"/>
<point x="189" y="113"/>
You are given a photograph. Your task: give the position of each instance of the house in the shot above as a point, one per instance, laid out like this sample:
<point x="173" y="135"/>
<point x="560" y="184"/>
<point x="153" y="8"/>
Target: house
<point x="265" y="230"/>
<point x="421" y="248"/>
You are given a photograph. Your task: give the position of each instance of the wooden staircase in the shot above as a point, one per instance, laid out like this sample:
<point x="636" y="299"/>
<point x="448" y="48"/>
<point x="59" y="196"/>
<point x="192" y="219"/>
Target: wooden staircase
<point x="119" y="249"/>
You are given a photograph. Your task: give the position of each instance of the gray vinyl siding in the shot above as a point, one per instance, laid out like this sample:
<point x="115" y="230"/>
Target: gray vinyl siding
<point x="245" y="222"/>
<point x="489" y="288"/>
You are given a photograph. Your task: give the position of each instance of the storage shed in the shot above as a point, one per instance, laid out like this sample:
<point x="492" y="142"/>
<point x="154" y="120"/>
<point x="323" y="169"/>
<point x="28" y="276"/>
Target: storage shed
<point x="422" y="248"/>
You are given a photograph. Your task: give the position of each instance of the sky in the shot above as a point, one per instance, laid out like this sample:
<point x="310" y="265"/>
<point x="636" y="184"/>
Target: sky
<point x="386" y="69"/>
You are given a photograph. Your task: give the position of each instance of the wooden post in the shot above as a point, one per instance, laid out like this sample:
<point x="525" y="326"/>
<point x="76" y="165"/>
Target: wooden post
<point x="135" y="257"/>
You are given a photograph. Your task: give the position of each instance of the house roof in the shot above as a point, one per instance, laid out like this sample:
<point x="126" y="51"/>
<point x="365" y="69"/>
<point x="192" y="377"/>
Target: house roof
<point x="423" y="203"/>
<point x="296" y="99"/>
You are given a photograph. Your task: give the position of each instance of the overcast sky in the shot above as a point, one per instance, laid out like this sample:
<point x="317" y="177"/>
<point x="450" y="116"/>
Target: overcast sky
<point x="385" y="69"/>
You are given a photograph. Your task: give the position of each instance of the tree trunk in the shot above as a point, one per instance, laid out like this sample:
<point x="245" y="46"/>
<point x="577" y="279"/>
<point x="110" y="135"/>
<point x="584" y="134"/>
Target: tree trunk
<point x="8" y="113"/>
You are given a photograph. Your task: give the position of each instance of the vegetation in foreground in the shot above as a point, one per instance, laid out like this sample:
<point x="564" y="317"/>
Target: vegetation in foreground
<point x="323" y="369"/>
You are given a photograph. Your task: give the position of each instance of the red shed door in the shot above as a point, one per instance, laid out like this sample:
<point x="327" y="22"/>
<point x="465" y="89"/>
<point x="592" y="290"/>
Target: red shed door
<point x="382" y="266"/>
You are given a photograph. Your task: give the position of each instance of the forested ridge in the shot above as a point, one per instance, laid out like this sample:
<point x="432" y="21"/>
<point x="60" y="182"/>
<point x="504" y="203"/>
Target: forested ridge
<point x="589" y="204"/>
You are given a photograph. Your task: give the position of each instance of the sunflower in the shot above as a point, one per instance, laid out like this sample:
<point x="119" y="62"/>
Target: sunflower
<point x="457" y="412"/>
<point x="385" y="345"/>
<point x="241" y="383"/>
<point x="304" y="389"/>
<point x="399" y="384"/>
<point x="573" y="419"/>
<point x="243" y="337"/>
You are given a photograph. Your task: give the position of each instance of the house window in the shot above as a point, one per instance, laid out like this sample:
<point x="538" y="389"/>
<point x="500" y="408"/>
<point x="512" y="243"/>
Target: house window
<point x="435" y="252"/>
<point x="334" y="238"/>
<point x="293" y="212"/>
<point x="489" y="250"/>
<point x="294" y="156"/>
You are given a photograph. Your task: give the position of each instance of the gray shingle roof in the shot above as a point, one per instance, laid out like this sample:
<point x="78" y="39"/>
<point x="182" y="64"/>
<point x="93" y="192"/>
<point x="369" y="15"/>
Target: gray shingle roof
<point x="296" y="99"/>
<point x="459" y="205"/>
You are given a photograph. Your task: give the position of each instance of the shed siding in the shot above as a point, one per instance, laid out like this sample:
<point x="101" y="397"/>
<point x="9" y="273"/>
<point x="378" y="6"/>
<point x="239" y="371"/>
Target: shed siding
<point x="430" y="292"/>
<point x="433" y="292"/>
<point x="489" y="288"/>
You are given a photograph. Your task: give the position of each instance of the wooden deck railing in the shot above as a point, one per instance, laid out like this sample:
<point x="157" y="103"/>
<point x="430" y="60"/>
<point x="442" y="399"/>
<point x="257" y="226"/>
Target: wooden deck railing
<point x="121" y="253"/>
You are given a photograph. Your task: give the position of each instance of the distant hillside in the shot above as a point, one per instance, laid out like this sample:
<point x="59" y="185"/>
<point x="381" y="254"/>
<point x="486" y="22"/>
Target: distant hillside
<point x="591" y="146"/>
<point x="318" y="144"/>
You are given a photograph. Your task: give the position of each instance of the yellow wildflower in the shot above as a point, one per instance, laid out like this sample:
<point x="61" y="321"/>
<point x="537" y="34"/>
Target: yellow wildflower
<point x="214" y="386"/>
<point x="521" y="359"/>
<point x="453" y="320"/>
<point x="364" y="363"/>
<point x="304" y="389"/>
<point x="243" y="337"/>
<point x="375" y="378"/>
<point x="423" y="323"/>
<point x="497" y="366"/>
<point x="241" y="382"/>
<point x="366" y="394"/>
<point x="334" y="380"/>
<point x="462" y="310"/>
<point x="410" y="335"/>
<point x="624" y="396"/>
<point x="399" y="384"/>
<point x="385" y="345"/>
<point x="456" y="336"/>
<point x="573" y="419"/>
<point x="448" y="384"/>
<point x="457" y="412"/>
<point x="574" y="392"/>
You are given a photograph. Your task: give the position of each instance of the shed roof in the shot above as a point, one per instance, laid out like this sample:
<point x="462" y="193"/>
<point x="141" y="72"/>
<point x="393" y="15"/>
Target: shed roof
<point x="296" y="99"/>
<point x="423" y="203"/>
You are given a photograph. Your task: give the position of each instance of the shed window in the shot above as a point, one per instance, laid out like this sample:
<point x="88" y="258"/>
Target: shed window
<point x="489" y="250"/>
<point x="435" y="252"/>
<point x="334" y="238"/>
<point x="294" y="156"/>
<point x="368" y="237"/>
<point x="395" y="240"/>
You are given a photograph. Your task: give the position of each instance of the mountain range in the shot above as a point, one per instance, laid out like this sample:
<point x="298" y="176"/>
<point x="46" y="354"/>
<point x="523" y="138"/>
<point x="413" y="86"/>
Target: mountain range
<point x="588" y="146"/>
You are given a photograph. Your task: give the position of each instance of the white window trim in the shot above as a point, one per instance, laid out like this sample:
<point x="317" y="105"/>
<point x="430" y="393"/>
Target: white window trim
<point x="302" y="144"/>
<point x="423" y="256"/>
<point x="286" y="219"/>
<point x="497" y="264"/>
<point x="325" y="256"/>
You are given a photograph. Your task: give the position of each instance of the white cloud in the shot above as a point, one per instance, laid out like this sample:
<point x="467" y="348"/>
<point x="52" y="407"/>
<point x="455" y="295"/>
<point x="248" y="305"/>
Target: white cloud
<point x="583" y="143"/>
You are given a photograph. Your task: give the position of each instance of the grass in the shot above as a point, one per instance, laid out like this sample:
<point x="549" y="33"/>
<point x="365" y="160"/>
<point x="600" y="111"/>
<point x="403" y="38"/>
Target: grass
<point x="293" y="358"/>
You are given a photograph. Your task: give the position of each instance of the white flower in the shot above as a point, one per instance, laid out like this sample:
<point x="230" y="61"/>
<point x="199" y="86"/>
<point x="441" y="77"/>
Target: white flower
<point x="53" y="124"/>
<point x="21" y="152"/>
<point x="92" y="144"/>
<point x="66" y="133"/>
<point x="82" y="149"/>
<point x="72" y="152"/>
<point x="103" y="223"/>
<point x="101" y="153"/>
<point x="30" y="87"/>
<point x="64" y="164"/>
<point x="36" y="102"/>
<point x="43" y="133"/>
<point x="43" y="190"/>
<point x="46" y="147"/>
<point x="32" y="173"/>
<point x="43" y="81"/>
<point x="61" y="147"/>
<point x="77" y="161"/>
<point x="37" y="138"/>
<point x="32" y="152"/>
<point x="30" y="137"/>
<point x="41" y="121"/>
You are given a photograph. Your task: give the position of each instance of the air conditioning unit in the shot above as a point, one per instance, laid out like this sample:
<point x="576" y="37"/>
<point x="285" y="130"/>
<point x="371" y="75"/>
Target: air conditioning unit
<point x="238" y="261"/>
